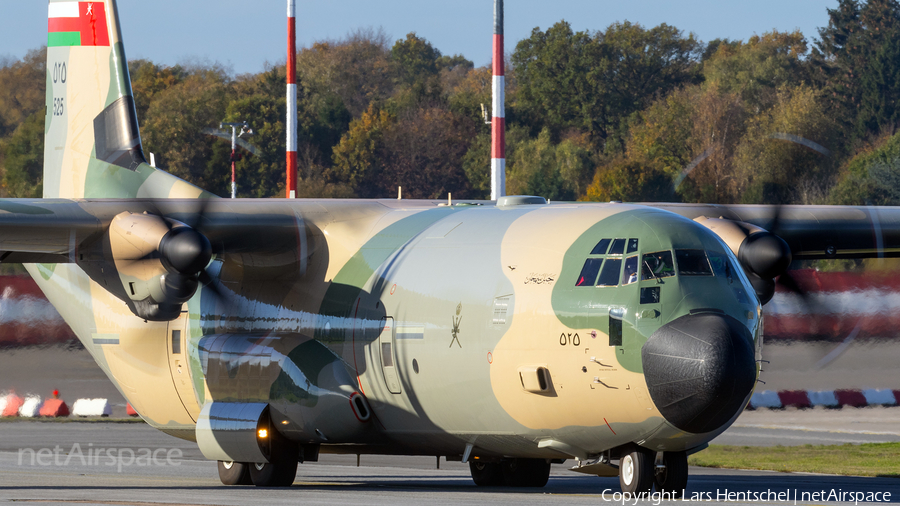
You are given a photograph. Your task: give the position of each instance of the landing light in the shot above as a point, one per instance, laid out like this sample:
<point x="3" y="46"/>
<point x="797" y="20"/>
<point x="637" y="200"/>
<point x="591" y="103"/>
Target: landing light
<point x="263" y="433"/>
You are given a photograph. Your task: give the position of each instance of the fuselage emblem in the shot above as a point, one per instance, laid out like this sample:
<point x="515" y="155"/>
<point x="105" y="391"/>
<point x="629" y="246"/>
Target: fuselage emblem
<point x="455" y="330"/>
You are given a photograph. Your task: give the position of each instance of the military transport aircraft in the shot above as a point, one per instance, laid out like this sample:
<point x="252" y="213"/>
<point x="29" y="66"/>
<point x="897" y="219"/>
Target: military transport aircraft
<point x="509" y="335"/>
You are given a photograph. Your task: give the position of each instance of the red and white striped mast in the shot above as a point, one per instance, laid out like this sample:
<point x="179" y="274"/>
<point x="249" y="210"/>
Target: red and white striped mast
<point x="498" y="121"/>
<point x="291" y="187"/>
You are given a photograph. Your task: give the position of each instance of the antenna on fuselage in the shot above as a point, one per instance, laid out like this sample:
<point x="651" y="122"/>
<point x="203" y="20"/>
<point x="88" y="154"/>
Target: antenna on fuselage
<point x="498" y="122"/>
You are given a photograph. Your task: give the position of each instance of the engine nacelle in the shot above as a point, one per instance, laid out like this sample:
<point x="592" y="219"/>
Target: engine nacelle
<point x="150" y="263"/>
<point x="763" y="255"/>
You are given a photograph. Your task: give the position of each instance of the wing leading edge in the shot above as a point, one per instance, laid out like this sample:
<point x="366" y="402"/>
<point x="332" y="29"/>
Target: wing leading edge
<point x="814" y="232"/>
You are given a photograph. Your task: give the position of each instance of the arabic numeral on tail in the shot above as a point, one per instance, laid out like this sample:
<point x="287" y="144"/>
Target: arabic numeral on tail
<point x="576" y="340"/>
<point x="59" y="73"/>
<point x="562" y="339"/>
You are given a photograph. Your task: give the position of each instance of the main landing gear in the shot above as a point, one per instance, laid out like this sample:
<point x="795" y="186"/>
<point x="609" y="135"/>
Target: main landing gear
<point x="511" y="473"/>
<point x="280" y="471"/>
<point x="235" y="473"/>
<point x="639" y="472"/>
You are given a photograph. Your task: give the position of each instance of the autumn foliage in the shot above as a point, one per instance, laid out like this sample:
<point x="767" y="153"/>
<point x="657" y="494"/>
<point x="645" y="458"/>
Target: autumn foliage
<point x="623" y="113"/>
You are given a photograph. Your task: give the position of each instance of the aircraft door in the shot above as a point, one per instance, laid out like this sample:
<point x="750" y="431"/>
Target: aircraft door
<point x="386" y="345"/>
<point x="179" y="363"/>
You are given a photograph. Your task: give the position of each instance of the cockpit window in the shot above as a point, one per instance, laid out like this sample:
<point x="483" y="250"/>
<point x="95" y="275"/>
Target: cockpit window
<point x="657" y="265"/>
<point x="609" y="276"/>
<point x="589" y="272"/>
<point x="692" y="262"/>
<point x="609" y="264"/>
<point x="618" y="247"/>
<point x="631" y="269"/>
<point x="720" y="265"/>
<point x="601" y="247"/>
<point x="632" y="245"/>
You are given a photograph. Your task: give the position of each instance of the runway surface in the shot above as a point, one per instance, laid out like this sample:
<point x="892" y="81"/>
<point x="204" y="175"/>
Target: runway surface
<point x="41" y="464"/>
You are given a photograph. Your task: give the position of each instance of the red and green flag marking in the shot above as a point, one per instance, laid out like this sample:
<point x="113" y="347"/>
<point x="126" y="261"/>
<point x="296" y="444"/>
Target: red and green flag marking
<point x="77" y="24"/>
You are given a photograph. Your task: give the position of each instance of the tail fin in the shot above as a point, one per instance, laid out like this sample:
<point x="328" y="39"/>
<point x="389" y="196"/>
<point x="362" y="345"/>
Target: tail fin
<point x="92" y="145"/>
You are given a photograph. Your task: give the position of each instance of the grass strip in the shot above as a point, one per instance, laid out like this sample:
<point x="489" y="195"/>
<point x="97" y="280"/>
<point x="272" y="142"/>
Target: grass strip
<point x="869" y="459"/>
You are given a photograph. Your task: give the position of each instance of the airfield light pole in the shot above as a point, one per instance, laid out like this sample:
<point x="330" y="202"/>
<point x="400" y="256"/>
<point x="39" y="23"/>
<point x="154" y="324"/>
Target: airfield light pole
<point x="245" y="130"/>
<point x="498" y="122"/>
<point x="291" y="186"/>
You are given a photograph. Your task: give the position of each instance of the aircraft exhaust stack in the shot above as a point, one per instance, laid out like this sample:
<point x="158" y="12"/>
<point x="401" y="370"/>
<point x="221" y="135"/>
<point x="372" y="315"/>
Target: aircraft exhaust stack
<point x="498" y="122"/>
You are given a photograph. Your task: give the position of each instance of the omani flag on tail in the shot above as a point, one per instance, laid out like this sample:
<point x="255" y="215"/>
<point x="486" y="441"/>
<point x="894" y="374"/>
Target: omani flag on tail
<point x="77" y="24"/>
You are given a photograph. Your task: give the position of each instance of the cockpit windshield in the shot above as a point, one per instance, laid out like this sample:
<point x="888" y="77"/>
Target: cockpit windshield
<point x="616" y="262"/>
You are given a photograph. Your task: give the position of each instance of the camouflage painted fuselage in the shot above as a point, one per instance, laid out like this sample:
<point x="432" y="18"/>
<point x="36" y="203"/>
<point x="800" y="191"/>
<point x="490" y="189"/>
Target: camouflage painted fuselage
<point x="432" y="312"/>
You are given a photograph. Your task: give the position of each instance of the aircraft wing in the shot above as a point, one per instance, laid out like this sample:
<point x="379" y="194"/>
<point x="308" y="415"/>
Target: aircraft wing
<point x="44" y="230"/>
<point x="814" y="232"/>
<point x="53" y="230"/>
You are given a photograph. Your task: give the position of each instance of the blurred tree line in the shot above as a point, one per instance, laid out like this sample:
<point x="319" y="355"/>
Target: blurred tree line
<point x="625" y="113"/>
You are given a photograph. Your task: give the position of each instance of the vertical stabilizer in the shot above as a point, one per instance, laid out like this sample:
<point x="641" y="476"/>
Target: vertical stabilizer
<point x="92" y="144"/>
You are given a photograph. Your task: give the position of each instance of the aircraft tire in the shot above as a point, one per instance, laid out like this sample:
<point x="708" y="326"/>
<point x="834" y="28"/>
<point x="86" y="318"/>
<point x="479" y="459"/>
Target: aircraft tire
<point x="281" y="469"/>
<point x="234" y="473"/>
<point x="526" y="472"/>
<point x="673" y="479"/>
<point x="486" y="474"/>
<point x="636" y="470"/>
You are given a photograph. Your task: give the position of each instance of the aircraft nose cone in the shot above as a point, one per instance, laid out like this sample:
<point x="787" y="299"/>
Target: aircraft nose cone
<point x="699" y="369"/>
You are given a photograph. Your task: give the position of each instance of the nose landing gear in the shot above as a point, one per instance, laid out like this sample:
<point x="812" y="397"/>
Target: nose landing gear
<point x="641" y="469"/>
<point x="636" y="469"/>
